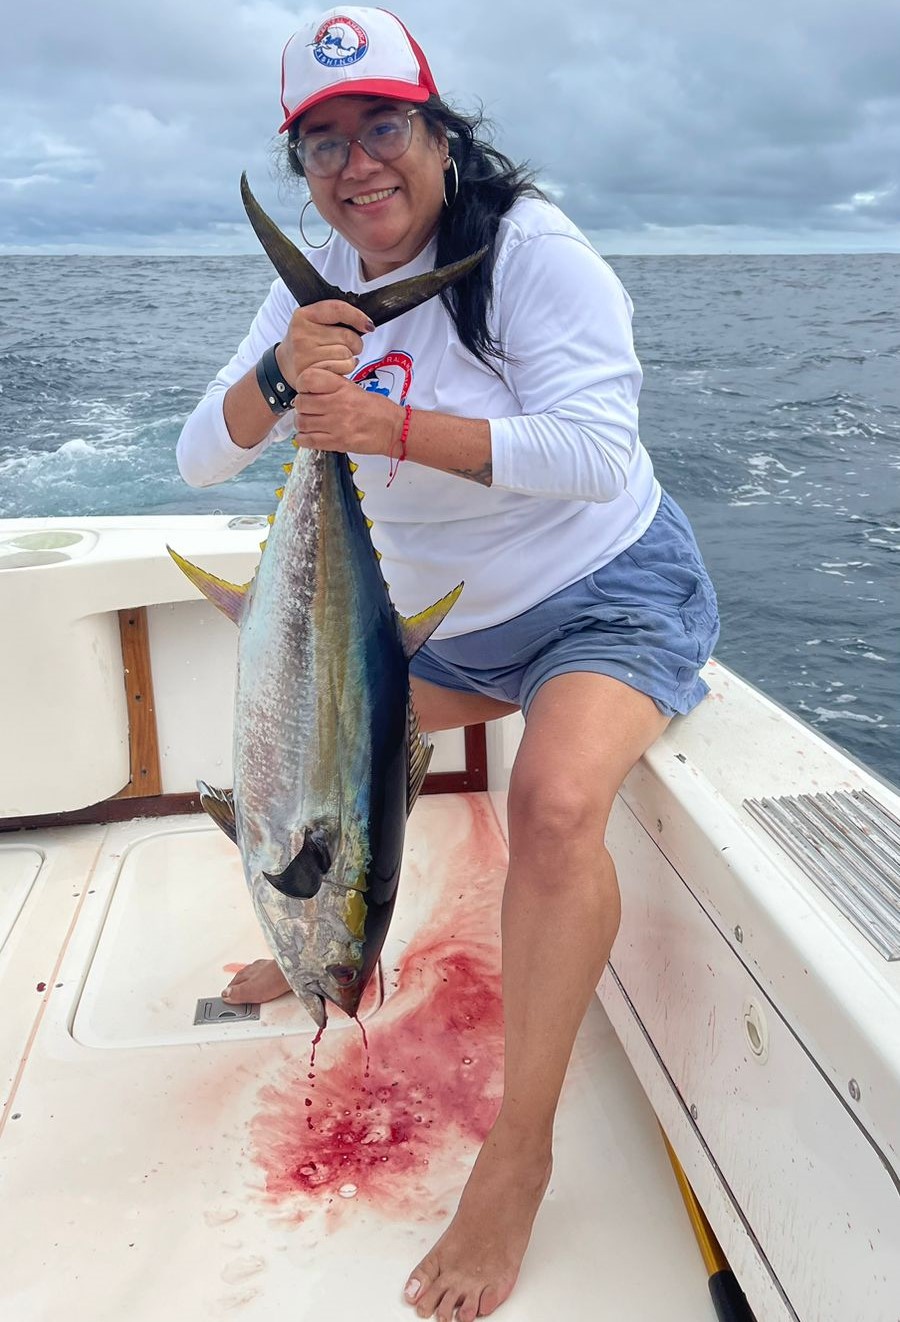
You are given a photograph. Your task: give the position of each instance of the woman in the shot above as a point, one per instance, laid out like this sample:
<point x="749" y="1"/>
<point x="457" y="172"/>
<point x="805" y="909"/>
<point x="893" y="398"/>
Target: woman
<point x="496" y="434"/>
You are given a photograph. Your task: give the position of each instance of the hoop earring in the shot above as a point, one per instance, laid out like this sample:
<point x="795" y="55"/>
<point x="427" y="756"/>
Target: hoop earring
<point x="448" y="202"/>
<point x="308" y="203"/>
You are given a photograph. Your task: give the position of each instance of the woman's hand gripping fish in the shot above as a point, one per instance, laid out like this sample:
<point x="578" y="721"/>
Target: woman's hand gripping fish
<point x="328" y="759"/>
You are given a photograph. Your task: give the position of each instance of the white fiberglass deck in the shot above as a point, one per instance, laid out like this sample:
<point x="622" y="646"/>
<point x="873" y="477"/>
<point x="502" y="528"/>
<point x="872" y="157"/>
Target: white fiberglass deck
<point x="151" y="1169"/>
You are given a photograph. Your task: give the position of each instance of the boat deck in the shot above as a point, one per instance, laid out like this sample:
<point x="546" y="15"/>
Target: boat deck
<point x="153" y="1168"/>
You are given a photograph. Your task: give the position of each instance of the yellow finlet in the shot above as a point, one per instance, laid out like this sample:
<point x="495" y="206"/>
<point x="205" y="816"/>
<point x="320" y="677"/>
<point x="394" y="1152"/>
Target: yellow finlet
<point x="360" y="495"/>
<point x="287" y="468"/>
<point x="353" y="467"/>
<point x="370" y="523"/>
<point x="270" y="520"/>
<point x="279" y="492"/>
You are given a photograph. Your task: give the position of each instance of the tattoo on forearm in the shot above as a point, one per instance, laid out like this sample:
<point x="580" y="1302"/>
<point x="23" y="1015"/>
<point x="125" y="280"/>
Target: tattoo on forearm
<point x="483" y="475"/>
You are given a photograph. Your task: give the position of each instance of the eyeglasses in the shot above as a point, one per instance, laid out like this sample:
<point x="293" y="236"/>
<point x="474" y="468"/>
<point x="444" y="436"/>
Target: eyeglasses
<point x="386" y="138"/>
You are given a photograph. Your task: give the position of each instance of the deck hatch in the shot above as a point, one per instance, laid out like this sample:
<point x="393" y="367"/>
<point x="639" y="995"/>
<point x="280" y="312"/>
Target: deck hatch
<point x="213" y="1010"/>
<point x="849" y="845"/>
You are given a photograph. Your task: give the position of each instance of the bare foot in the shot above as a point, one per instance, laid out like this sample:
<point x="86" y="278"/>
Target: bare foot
<point x="474" y="1265"/>
<point x="260" y="981"/>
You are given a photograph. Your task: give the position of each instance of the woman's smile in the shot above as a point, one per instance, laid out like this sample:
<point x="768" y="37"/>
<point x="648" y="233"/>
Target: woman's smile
<point x="386" y="210"/>
<point x="369" y="200"/>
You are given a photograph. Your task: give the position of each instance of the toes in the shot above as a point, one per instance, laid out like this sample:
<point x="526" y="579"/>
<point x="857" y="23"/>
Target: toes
<point x="421" y="1280"/>
<point x="491" y="1299"/>
<point x="448" y="1305"/>
<point x="468" y="1308"/>
<point x="428" y="1301"/>
<point x="429" y="1297"/>
<point x="235" y="989"/>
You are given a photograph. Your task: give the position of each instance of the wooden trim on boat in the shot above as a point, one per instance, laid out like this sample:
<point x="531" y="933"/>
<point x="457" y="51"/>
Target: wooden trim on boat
<point x="471" y="781"/>
<point x="118" y="809"/>
<point x="143" y="797"/>
<point x="122" y="807"/>
<point x="145" y="780"/>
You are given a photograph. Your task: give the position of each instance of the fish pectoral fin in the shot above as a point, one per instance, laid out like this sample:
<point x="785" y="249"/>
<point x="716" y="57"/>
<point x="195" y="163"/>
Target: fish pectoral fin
<point x="415" y="630"/>
<point x="420" y="752"/>
<point x="302" y="878"/>
<point x="219" y="804"/>
<point x="231" y="598"/>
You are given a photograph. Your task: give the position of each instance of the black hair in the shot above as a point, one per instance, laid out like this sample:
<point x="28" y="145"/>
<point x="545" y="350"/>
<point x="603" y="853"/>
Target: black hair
<point x="489" y="184"/>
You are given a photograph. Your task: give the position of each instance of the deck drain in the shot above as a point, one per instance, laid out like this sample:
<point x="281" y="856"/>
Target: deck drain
<point x="213" y="1010"/>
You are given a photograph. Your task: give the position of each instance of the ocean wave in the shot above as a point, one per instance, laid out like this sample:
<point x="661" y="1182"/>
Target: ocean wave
<point x="825" y="714"/>
<point x="839" y="399"/>
<point x="764" y="462"/>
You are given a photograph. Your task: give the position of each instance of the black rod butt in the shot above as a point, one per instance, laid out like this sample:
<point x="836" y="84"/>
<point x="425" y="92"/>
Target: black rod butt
<point x="728" y="1298"/>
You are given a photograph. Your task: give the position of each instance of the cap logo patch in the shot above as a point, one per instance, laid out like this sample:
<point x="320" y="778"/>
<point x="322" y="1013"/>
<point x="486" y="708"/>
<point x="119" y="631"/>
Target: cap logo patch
<point x="340" y="42"/>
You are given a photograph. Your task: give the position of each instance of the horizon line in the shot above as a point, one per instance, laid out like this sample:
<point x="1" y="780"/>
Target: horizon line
<point x="23" y="251"/>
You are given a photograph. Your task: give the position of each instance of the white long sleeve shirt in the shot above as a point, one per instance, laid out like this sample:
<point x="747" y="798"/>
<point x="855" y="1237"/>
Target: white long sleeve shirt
<point x="572" y="484"/>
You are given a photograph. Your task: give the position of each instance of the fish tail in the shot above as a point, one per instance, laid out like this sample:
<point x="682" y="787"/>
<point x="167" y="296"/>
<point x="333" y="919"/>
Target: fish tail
<point x="308" y="286"/>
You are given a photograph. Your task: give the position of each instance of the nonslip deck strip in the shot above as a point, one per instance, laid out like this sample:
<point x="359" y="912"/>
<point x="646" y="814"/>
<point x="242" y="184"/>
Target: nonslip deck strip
<point x="848" y="844"/>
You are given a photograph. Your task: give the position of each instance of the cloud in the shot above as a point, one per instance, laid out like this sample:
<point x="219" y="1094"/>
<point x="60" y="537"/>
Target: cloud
<point x="127" y="127"/>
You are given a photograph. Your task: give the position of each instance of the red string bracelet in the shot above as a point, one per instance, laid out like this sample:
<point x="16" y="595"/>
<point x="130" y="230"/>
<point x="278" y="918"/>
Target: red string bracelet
<point x="397" y="461"/>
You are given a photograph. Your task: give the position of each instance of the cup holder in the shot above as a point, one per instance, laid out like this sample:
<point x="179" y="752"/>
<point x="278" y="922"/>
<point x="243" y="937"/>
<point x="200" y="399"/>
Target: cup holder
<point x="49" y="546"/>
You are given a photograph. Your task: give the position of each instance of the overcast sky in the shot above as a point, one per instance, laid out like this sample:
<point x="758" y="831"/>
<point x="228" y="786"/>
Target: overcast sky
<point x="659" y="125"/>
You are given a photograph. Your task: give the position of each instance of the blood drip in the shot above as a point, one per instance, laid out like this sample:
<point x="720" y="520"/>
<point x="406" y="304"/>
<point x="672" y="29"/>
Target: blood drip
<point x="433" y="1081"/>
<point x="315" y="1042"/>
<point x="362" y="1029"/>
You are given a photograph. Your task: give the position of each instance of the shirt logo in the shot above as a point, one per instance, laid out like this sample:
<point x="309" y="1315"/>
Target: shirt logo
<point x="390" y="376"/>
<point x="340" y="42"/>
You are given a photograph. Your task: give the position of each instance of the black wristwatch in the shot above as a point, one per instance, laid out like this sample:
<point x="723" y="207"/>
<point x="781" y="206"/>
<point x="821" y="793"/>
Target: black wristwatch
<point x="277" y="393"/>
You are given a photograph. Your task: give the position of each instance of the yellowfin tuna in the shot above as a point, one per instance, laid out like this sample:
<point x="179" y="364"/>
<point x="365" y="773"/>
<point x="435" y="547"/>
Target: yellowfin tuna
<point x="328" y="759"/>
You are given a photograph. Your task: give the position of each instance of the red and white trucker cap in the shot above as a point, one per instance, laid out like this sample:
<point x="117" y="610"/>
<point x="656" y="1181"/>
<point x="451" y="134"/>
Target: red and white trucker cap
<point x="353" y="51"/>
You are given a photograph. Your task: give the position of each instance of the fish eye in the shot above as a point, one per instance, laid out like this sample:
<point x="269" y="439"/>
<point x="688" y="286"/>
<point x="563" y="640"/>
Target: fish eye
<point x="344" y="974"/>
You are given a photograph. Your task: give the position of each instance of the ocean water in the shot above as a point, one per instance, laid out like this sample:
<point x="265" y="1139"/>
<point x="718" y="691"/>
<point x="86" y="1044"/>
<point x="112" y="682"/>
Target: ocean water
<point x="771" y="408"/>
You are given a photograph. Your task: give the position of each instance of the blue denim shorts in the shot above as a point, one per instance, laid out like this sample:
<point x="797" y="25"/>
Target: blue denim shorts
<point x="648" y="618"/>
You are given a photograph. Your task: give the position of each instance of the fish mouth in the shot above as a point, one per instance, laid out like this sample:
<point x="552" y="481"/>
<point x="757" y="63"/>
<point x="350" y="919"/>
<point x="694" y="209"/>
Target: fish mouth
<point x="313" y="1001"/>
<point x="315" y="996"/>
